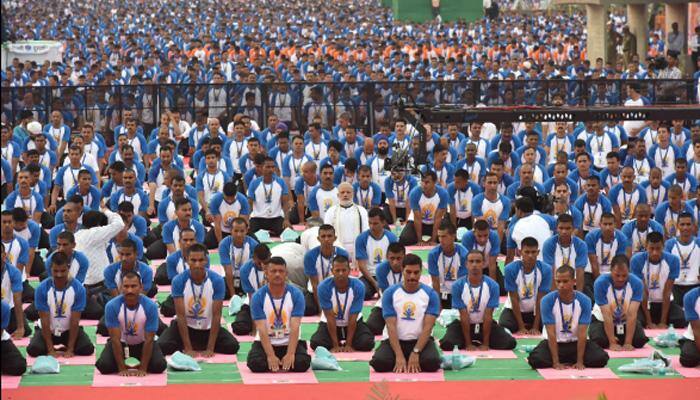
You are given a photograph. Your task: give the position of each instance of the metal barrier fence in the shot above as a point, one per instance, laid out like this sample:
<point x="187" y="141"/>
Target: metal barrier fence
<point x="366" y="104"/>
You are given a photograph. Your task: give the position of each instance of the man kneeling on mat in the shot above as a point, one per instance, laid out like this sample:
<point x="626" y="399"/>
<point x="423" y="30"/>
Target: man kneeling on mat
<point x="132" y="321"/>
<point x="60" y="300"/>
<point x="410" y="310"/>
<point x="566" y="314"/>
<point x="476" y="297"/>
<point x="277" y="309"/>
<point x="341" y="300"/>
<point x="12" y="362"/>
<point x="198" y="294"/>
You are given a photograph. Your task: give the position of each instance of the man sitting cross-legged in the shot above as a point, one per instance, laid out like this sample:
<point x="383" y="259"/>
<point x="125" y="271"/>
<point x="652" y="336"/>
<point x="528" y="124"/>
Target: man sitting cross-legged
<point x="341" y="328"/>
<point x="132" y="320"/>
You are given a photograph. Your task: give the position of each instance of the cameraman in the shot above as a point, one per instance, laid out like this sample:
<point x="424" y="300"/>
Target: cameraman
<point x="667" y="68"/>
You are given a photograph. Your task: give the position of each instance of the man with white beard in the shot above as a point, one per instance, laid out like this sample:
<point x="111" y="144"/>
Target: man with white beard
<point x="348" y="219"/>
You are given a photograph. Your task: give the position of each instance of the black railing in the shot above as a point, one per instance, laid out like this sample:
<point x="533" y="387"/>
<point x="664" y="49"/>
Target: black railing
<point x="366" y="104"/>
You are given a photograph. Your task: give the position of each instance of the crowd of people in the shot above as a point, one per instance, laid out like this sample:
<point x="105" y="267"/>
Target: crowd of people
<point x="273" y="59"/>
<point x="598" y="221"/>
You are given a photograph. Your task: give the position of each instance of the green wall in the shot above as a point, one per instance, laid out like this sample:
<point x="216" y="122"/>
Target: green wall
<point x="421" y="10"/>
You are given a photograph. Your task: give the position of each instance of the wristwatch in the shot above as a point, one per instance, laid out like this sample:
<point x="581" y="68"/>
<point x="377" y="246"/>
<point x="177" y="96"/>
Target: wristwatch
<point x="416" y="350"/>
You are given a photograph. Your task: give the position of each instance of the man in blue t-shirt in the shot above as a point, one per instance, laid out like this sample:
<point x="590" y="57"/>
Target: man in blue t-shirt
<point x="410" y="310"/>
<point x="658" y="270"/>
<point x="277" y="309"/>
<point x="690" y="344"/>
<point x="60" y="300"/>
<point x="341" y="328"/>
<point x="132" y="321"/>
<point x="476" y="298"/>
<point x="618" y="296"/>
<point x="428" y="204"/>
<point x="198" y="294"/>
<point x="388" y="274"/>
<point x="566" y="314"/>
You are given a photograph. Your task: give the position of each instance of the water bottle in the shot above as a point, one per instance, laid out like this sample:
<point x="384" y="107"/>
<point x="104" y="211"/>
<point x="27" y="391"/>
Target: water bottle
<point x="398" y="228"/>
<point x="671" y="331"/>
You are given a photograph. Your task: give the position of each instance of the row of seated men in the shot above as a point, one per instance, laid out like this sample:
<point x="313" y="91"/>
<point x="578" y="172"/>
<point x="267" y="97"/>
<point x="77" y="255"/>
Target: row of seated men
<point x="539" y="300"/>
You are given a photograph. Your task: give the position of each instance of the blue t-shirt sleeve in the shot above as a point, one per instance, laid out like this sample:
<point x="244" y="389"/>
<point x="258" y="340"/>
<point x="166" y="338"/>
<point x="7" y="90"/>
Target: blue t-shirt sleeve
<point x="585" y="317"/>
<point x="361" y="247"/>
<point x="433" y="269"/>
<point x="146" y="277"/>
<point x="546" y="278"/>
<point x="325" y="291"/>
<point x="310" y="264"/>
<point x="312" y="201"/>
<point x="245" y="277"/>
<point x="414" y="199"/>
<point x="358" y="297"/>
<point x="388" y="302"/>
<point x="257" y="305"/>
<point x="493" y="294"/>
<point x="224" y="251"/>
<point x="152" y="319"/>
<point x="433" y="301"/>
<point x="510" y="277"/>
<point x="167" y="233"/>
<point x="674" y="264"/>
<point x="16" y="284"/>
<point x="689" y="301"/>
<point x="299" y="305"/>
<point x="177" y="288"/>
<point x="637" y="288"/>
<point x="112" y="313"/>
<point x="600" y="289"/>
<point x="109" y="275"/>
<point x="546" y="306"/>
<point x="457" y="289"/>
<point x="219" y="287"/>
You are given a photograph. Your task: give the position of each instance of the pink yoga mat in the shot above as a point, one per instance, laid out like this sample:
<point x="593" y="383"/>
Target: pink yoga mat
<point x="636" y="353"/>
<point x="426" y="279"/>
<point x="299" y="227"/>
<point x="75" y="360"/>
<point x="652" y="333"/>
<point x="164" y="288"/>
<point x="99" y="339"/>
<point x="519" y="336"/>
<point x="491" y="354"/>
<point x="218" y="268"/>
<point x="114" y="380"/>
<point x="685" y="372"/>
<point x="10" y="382"/>
<point x="88" y="322"/>
<point x="314" y="319"/>
<point x="251" y="378"/>
<point x="244" y="339"/>
<point x="571" y="373"/>
<point x="414" y="248"/>
<point x="24" y="342"/>
<point x="437" y="376"/>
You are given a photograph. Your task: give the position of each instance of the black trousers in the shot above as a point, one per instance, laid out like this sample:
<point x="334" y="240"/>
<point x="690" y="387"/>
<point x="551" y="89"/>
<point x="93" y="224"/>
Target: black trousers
<point x="363" y="340"/>
<point x="210" y="239"/>
<point x="243" y="324"/>
<point x="37" y="268"/>
<point x="679" y="292"/>
<point x="156" y="250"/>
<point x="12" y="325"/>
<point x="508" y="321"/>
<point x="37" y="346"/>
<point x="384" y="358"/>
<point x="93" y="309"/>
<point x="410" y="237"/>
<point x="310" y="306"/>
<point x="370" y="291"/>
<point x="499" y="279"/>
<point x="11" y="360"/>
<point x="27" y="292"/>
<point x="375" y="321"/>
<point x="257" y="359"/>
<point x="167" y="307"/>
<point x="676" y="317"/>
<point x="170" y="340"/>
<point x="499" y="338"/>
<point x="161" y="275"/>
<point x="400" y="213"/>
<point x="273" y="225"/>
<point x="294" y="215"/>
<point x="596" y="333"/>
<point x="153" y="235"/>
<point x="107" y="363"/>
<point x="594" y="356"/>
<point x="465" y="222"/>
<point x="690" y="356"/>
<point x="445" y="301"/>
